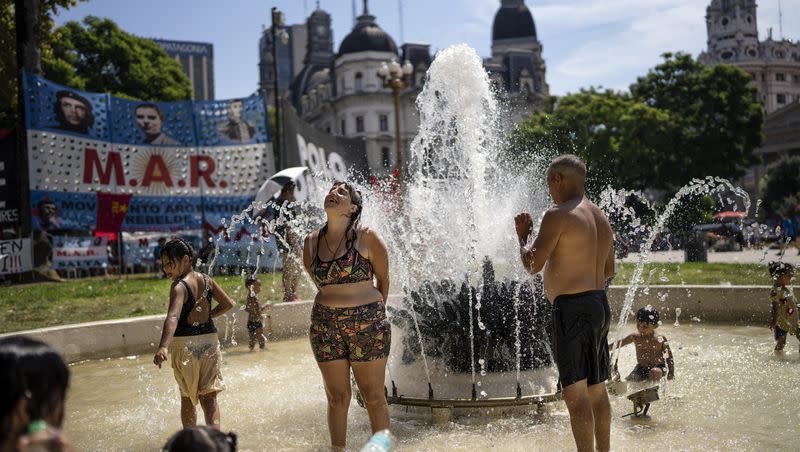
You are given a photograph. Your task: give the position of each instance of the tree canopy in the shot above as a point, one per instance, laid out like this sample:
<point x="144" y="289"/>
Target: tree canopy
<point x="93" y="55"/>
<point x="680" y="121"/>
<point x="781" y="188"/>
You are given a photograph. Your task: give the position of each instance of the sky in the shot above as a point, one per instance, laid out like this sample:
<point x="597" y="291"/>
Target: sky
<point x="585" y="43"/>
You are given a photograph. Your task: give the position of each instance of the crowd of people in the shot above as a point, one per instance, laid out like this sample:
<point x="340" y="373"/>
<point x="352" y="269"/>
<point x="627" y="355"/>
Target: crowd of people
<point x="349" y="329"/>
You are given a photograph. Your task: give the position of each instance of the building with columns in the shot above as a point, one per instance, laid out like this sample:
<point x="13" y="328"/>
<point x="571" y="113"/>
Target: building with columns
<point x="340" y="92"/>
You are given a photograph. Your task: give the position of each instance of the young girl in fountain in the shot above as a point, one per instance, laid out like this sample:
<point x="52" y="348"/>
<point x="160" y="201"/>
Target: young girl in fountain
<point x="255" y="323"/>
<point x="189" y="337"/>
<point x="653" y="355"/>
<point x="784" y="318"/>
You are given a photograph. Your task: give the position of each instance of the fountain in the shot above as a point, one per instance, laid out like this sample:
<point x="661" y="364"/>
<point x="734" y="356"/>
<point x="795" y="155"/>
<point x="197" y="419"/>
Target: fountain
<point x="468" y="331"/>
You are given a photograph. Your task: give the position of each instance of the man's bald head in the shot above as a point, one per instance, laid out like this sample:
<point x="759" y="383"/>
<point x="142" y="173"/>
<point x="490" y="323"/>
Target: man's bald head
<point x="569" y="166"/>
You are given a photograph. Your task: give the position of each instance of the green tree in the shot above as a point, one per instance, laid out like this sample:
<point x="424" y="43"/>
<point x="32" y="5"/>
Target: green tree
<point x="683" y="120"/>
<point x="717" y="120"/>
<point x="618" y="138"/>
<point x="96" y="55"/>
<point x="781" y="187"/>
<point x="8" y="51"/>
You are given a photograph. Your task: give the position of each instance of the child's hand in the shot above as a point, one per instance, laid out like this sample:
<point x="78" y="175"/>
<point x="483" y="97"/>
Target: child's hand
<point x="160" y="356"/>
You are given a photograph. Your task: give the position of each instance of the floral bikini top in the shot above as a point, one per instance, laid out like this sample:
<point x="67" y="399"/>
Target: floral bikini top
<point x="349" y="268"/>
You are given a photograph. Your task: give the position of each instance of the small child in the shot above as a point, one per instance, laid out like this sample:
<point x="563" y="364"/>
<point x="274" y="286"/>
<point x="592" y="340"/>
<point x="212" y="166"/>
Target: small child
<point x="255" y="324"/>
<point x="653" y="355"/>
<point x="189" y="338"/>
<point x="783" y="318"/>
<point x="201" y="438"/>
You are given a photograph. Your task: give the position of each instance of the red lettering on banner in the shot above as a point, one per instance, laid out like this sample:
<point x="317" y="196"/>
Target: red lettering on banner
<point x="91" y="162"/>
<point x="196" y="172"/>
<point x="156" y="171"/>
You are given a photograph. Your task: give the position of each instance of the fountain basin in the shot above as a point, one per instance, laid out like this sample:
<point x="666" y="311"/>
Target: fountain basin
<point x="731" y="393"/>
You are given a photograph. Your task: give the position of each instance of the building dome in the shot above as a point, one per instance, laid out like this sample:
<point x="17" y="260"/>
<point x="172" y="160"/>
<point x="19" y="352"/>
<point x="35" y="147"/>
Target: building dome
<point x="513" y="20"/>
<point x="367" y="36"/>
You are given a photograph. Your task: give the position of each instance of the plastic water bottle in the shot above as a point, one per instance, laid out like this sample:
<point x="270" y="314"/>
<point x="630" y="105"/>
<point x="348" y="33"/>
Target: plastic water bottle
<point x="381" y="441"/>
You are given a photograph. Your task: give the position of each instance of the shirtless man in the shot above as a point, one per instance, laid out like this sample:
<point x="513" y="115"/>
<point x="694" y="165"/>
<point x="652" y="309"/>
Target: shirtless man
<point x="575" y="241"/>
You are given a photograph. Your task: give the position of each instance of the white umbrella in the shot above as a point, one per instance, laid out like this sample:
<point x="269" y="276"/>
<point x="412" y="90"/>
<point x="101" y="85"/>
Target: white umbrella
<point x="272" y="186"/>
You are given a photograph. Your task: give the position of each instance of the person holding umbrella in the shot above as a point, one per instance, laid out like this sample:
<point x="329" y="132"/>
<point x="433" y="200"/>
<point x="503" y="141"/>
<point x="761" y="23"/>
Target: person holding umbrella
<point x="281" y="211"/>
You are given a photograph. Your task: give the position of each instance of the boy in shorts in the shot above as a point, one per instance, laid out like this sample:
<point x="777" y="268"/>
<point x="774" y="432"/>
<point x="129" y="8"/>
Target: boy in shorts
<point x="783" y="318"/>
<point x="653" y="355"/>
<point x="255" y="323"/>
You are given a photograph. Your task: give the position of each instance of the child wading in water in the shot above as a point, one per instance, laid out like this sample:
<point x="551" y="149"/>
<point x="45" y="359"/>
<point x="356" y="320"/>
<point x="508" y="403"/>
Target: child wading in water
<point x="255" y="324"/>
<point x="783" y="319"/>
<point x="189" y="336"/>
<point x="653" y="355"/>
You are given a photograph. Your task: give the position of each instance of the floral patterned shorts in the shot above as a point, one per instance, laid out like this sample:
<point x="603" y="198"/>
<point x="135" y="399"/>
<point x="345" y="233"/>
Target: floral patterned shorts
<point x="360" y="333"/>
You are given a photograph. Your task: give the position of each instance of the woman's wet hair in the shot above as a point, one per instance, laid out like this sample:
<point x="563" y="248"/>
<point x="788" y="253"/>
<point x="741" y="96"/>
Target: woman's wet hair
<point x="175" y="249"/>
<point x="32" y="370"/>
<point x="201" y="438"/>
<point x="355" y="218"/>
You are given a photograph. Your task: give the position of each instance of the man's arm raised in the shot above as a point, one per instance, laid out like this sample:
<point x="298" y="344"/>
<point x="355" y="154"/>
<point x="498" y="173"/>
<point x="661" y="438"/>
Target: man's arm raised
<point x="536" y="255"/>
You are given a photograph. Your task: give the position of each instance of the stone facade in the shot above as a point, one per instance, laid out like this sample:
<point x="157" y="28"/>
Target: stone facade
<point x="733" y="38"/>
<point x="341" y="93"/>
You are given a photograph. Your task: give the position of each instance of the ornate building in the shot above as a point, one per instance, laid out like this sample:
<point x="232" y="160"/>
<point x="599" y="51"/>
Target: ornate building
<point x="733" y="38"/>
<point x="341" y="93"/>
<point x="775" y="68"/>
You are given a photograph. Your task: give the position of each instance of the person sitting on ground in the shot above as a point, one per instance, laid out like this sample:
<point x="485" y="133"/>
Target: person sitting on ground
<point x="189" y="334"/>
<point x="783" y="317"/>
<point x="653" y="355"/>
<point x="34" y="379"/>
<point x="201" y="439"/>
<point x="255" y="323"/>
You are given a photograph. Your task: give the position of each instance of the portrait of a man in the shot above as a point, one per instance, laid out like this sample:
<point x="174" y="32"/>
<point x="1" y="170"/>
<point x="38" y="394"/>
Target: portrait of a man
<point x="73" y="112"/>
<point x="236" y="128"/>
<point x="48" y="215"/>
<point x="150" y="119"/>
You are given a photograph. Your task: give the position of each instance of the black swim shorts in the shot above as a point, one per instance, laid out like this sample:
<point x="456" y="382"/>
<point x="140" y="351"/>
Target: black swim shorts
<point x="580" y="337"/>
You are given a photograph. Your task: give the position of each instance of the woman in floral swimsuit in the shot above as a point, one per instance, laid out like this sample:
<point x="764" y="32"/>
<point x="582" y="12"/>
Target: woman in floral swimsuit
<point x="350" y="266"/>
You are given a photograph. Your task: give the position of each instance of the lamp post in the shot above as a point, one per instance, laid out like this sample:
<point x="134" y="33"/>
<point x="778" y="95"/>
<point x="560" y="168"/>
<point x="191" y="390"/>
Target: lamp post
<point x="278" y="32"/>
<point x="397" y="78"/>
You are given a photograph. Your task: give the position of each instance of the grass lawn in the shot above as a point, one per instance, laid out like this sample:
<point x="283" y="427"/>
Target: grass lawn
<point x="40" y="305"/>
<point x="49" y="304"/>
<point x="659" y="274"/>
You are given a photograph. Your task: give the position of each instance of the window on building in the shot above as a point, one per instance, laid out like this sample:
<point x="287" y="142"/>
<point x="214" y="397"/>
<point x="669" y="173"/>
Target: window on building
<point x="344" y="126"/>
<point x="781" y="98"/>
<point x="797" y="78"/>
<point x="384" y="123"/>
<point x="386" y="157"/>
<point x="359" y="81"/>
<point x="780" y="77"/>
<point x="359" y="124"/>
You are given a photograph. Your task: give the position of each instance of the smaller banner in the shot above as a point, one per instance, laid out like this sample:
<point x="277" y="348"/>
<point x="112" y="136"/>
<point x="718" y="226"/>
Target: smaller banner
<point x="15" y="256"/>
<point x="80" y="252"/>
<point x="9" y="182"/>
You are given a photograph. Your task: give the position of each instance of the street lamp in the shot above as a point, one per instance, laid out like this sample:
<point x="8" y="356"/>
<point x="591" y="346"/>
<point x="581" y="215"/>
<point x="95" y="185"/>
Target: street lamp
<point x="278" y="32"/>
<point x="397" y="78"/>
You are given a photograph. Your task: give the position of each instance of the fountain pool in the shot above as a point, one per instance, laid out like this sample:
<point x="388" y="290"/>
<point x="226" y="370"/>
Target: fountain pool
<point x="730" y="393"/>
